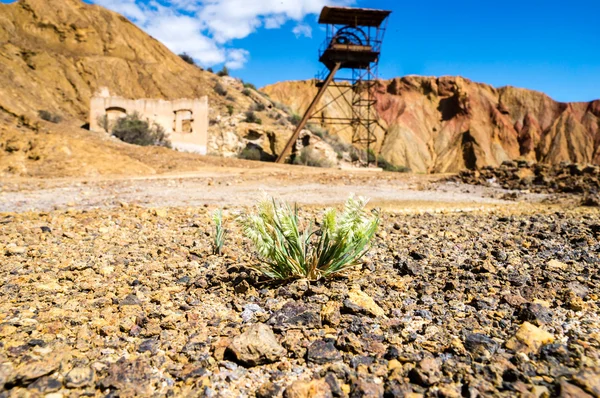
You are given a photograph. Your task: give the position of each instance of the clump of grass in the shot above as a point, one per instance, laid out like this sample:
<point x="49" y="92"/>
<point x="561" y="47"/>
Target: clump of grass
<point x="49" y="116"/>
<point x="287" y="252"/>
<point x="252" y="118"/>
<point x="219" y="234"/>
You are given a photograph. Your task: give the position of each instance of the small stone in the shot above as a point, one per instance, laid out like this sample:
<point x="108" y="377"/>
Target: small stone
<point x="308" y="389"/>
<point x="568" y="390"/>
<point x="46" y="385"/>
<point x="556" y="265"/>
<point x="535" y="313"/>
<point x="268" y="390"/>
<point x="256" y="346"/>
<point x="149" y="345"/>
<point x="330" y="313"/>
<point x="540" y="392"/>
<point x="46" y="229"/>
<point x="358" y="302"/>
<point x="323" y="351"/>
<point x="131" y="299"/>
<point x="296" y="315"/>
<point x="426" y="373"/>
<point x="408" y="267"/>
<point x="160" y="213"/>
<point x="131" y="377"/>
<point x="15" y="250"/>
<point x="589" y="380"/>
<point x="366" y="389"/>
<point x="480" y="345"/>
<point x="529" y="338"/>
<point x="80" y="377"/>
<point x="32" y="370"/>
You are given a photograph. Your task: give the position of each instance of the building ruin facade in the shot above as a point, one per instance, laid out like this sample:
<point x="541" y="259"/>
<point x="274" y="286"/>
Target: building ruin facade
<point x="184" y="120"/>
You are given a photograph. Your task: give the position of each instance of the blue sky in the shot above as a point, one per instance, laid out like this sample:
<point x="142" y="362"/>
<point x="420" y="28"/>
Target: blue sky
<point x="550" y="46"/>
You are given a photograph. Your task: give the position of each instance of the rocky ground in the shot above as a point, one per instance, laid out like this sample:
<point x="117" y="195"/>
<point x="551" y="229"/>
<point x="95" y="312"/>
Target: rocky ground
<point x="564" y="179"/>
<point x="128" y="301"/>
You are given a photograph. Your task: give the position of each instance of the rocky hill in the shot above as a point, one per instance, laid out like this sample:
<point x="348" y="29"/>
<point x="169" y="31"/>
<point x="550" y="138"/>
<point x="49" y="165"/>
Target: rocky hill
<point x="55" y="55"/>
<point x="450" y="123"/>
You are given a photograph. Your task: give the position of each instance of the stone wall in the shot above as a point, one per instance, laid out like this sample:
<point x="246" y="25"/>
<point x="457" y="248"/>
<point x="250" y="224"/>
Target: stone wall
<point x="185" y="120"/>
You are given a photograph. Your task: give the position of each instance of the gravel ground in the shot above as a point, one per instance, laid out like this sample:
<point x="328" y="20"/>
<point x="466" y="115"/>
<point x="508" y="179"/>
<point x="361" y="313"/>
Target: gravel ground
<point x="127" y="300"/>
<point x="240" y="187"/>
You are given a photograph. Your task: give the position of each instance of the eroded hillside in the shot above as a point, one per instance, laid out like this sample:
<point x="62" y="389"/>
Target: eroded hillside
<point x="446" y="124"/>
<point x="55" y="55"/>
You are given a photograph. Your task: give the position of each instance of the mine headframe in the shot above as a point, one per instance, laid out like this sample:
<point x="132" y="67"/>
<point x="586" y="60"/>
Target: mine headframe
<point x="352" y="46"/>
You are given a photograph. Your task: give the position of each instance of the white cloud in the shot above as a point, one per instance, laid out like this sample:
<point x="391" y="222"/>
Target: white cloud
<point x="205" y="28"/>
<point x="302" y="29"/>
<point x="237" y="58"/>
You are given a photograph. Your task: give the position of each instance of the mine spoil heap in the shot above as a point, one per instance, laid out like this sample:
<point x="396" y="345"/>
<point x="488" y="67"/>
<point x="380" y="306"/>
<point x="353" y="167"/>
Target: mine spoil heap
<point x="129" y="301"/>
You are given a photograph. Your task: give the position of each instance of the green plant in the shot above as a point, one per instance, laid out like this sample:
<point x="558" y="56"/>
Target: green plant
<point x="250" y="153"/>
<point x="219" y="237"/>
<point x="295" y="119"/>
<point x="209" y="69"/>
<point x="187" y="58"/>
<point x="50" y="117"/>
<point x="230" y="109"/>
<point x="223" y="72"/>
<point x="134" y="130"/>
<point x="219" y="89"/>
<point x="285" y="251"/>
<point x="246" y="92"/>
<point x="258" y="107"/>
<point x="252" y="118"/>
<point x="250" y="85"/>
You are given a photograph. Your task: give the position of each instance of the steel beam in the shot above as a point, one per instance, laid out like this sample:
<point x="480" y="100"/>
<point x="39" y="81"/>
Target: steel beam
<point x="288" y="147"/>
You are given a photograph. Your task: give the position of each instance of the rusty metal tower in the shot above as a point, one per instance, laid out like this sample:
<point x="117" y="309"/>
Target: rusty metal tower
<point x="352" y="45"/>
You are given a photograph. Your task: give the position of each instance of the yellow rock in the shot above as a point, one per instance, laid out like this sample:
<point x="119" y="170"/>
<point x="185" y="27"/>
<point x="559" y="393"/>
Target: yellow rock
<point x="529" y="338"/>
<point x="160" y="213"/>
<point x="555" y="264"/>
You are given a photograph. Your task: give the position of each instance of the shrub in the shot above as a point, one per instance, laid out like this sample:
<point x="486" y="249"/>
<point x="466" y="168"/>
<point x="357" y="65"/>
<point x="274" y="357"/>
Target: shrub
<point x="187" y="58"/>
<point x="223" y="72"/>
<point x="219" y="89"/>
<point x="318" y="131"/>
<point x="50" y="117"/>
<point x="250" y="153"/>
<point x="136" y="131"/>
<point x="252" y="118"/>
<point x="283" y="107"/>
<point x="384" y="164"/>
<point x="285" y="251"/>
<point x="312" y="158"/>
<point x="219" y="237"/>
<point x="230" y="109"/>
<point x="258" y="107"/>
<point x="250" y="85"/>
<point x="295" y="119"/>
<point x="209" y="69"/>
<point x="246" y="92"/>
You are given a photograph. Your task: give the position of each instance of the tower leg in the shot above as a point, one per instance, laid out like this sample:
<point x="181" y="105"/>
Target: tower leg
<point x="288" y="147"/>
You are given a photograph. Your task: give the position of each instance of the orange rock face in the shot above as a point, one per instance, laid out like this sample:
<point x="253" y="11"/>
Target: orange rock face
<point x="450" y="123"/>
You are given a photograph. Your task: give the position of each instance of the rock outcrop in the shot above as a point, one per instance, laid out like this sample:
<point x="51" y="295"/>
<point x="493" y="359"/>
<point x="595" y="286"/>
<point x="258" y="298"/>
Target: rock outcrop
<point x="450" y="123"/>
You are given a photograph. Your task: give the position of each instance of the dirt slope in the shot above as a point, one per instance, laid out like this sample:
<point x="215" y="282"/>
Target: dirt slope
<point x="63" y="51"/>
<point x="449" y="123"/>
<point x="55" y="55"/>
